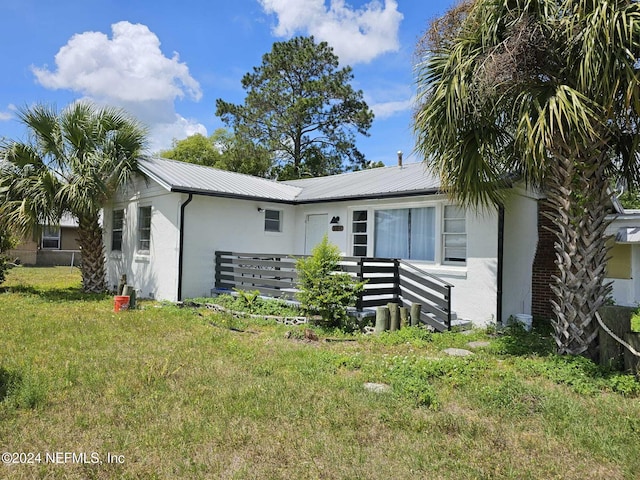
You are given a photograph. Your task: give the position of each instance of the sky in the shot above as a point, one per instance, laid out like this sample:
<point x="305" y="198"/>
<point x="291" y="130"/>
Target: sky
<point x="166" y="62"/>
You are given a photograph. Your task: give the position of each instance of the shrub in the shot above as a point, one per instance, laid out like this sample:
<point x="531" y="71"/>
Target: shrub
<point x="324" y="290"/>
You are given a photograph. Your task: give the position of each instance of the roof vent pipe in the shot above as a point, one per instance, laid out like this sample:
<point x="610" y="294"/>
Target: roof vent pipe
<point x="400" y="158"/>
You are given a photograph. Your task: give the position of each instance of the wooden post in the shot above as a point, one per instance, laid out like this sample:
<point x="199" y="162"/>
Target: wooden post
<point x="132" y="298"/>
<point x="404" y="317"/>
<point x="382" y="319"/>
<point x="415" y="314"/>
<point x="121" y="284"/>
<point x="631" y="362"/>
<point x="618" y="319"/>
<point x="394" y="316"/>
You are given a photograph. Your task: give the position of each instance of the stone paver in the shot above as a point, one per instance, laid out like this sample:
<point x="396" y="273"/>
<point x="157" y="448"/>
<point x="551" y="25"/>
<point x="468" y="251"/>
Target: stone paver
<point x="478" y="344"/>
<point x="377" y="387"/>
<point x="457" y="352"/>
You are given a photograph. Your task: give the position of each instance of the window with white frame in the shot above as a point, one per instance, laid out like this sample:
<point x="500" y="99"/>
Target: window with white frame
<point x="359" y="233"/>
<point x="117" y="224"/>
<point x="51" y="237"/>
<point x="272" y="221"/>
<point x="432" y="234"/>
<point x="144" y="229"/>
<point x="454" y="235"/>
<point x="407" y="233"/>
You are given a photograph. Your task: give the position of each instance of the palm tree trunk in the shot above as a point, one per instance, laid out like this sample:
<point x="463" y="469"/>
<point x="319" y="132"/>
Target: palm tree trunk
<point x="93" y="267"/>
<point x="578" y="194"/>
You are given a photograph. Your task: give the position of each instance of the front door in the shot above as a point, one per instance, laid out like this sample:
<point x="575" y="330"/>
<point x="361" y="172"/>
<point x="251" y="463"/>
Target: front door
<point x="317" y="226"/>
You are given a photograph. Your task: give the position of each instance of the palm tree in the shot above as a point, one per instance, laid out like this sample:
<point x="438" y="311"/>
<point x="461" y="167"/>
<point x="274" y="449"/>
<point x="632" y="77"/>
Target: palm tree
<point x="548" y="90"/>
<point x="72" y="163"/>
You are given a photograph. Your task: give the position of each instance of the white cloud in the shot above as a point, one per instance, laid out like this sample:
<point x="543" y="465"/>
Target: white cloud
<point x="129" y="70"/>
<point x="162" y="134"/>
<point x="8" y="114"/>
<point x="356" y="35"/>
<point x="384" y="110"/>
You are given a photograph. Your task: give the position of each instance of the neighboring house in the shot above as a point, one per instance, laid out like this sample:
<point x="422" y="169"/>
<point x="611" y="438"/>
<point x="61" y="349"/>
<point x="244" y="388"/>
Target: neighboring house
<point x="624" y="266"/>
<point x="162" y="230"/>
<point x="50" y="245"/>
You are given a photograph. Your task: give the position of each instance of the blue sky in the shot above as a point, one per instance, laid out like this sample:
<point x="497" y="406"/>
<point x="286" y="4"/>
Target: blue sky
<point x="167" y="62"/>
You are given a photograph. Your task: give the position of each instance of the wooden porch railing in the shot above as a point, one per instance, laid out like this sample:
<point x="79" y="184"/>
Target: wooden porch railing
<point x="388" y="280"/>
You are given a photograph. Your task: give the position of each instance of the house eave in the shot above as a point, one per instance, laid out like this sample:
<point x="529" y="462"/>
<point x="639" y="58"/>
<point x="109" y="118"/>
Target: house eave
<point x="208" y="193"/>
<point x="377" y="196"/>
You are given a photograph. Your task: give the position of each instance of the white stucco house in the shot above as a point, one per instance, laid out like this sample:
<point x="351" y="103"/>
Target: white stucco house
<point x="163" y="230"/>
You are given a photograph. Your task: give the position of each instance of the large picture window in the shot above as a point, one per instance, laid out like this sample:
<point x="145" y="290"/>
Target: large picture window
<point x="144" y="228"/>
<point x="407" y="233"/>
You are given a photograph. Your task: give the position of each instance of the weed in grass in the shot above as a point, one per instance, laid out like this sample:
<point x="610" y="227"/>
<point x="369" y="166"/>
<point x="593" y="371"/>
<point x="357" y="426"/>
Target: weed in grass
<point x="515" y="340"/>
<point x="23" y="390"/>
<point x="413" y="377"/>
<point x="159" y="371"/>
<point x="511" y="396"/>
<point x="415" y="336"/>
<point x="251" y="302"/>
<point x="581" y="374"/>
<point x="350" y="362"/>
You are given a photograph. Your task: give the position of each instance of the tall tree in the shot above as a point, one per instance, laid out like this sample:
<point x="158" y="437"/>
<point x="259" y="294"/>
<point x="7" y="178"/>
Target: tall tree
<point x="302" y="108"/>
<point x="73" y="162"/>
<point x="224" y="150"/>
<point x="549" y="90"/>
<point x="196" y="149"/>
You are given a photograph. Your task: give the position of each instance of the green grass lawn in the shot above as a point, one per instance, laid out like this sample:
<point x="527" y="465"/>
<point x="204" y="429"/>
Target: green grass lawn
<point x="174" y="394"/>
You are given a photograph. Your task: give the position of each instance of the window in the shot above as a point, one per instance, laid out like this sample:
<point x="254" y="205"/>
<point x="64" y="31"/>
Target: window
<point x="116" y="230"/>
<point x="619" y="264"/>
<point x="51" y="237"/>
<point x="359" y="232"/>
<point x="144" y="228"/>
<point x="272" y="221"/>
<point x="407" y="233"/>
<point x="454" y="235"/>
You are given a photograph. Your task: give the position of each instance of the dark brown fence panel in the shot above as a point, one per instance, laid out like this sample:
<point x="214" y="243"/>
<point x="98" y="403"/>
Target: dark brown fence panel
<point x="433" y="293"/>
<point x="387" y="280"/>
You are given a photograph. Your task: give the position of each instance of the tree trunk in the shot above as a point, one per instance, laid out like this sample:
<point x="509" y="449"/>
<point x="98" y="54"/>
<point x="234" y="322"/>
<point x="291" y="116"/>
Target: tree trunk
<point x="579" y="196"/>
<point x="93" y="267"/>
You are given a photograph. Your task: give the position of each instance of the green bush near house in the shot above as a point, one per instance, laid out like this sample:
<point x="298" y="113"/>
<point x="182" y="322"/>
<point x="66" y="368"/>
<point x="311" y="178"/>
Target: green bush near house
<point x="324" y="290"/>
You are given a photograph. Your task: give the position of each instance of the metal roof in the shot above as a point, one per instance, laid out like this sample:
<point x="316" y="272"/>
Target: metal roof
<point x="190" y="178"/>
<point x="410" y="179"/>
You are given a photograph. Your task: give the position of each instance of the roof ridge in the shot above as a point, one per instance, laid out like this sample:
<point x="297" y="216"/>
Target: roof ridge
<point x="354" y="172"/>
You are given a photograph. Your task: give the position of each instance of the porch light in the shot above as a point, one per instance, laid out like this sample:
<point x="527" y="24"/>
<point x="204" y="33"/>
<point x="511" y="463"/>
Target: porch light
<point x="335" y="220"/>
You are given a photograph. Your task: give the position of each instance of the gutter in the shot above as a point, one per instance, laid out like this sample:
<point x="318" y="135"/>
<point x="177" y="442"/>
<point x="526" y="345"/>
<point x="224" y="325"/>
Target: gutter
<point x="372" y="196"/>
<point x="500" y="266"/>
<point x="181" y="244"/>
